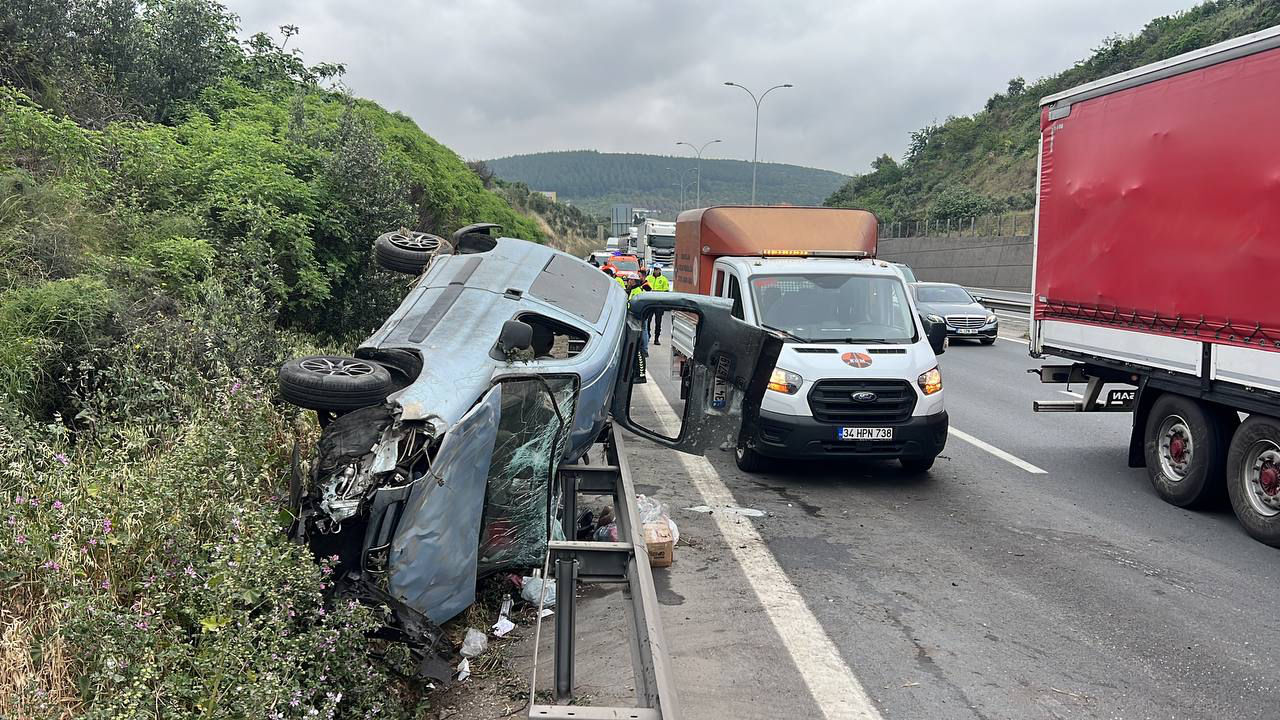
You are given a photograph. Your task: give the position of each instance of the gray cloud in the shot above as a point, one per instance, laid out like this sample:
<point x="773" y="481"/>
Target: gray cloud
<point x="497" y="77"/>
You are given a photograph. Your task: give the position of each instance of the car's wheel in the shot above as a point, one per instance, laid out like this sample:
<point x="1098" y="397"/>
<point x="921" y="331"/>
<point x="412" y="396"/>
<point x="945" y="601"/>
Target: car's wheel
<point x="408" y="252"/>
<point x="1186" y="451"/>
<point x="988" y="341"/>
<point x="748" y="460"/>
<point x="1253" y="477"/>
<point x="334" y="382"/>
<point x="917" y="465"/>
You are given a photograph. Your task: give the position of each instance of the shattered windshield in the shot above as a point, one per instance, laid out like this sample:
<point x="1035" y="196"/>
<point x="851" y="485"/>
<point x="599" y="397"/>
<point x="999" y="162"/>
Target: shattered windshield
<point x="532" y="430"/>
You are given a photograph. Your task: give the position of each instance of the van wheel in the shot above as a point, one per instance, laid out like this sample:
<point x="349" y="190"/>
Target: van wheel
<point x="1253" y="478"/>
<point x="334" y="382"/>
<point x="916" y="466"/>
<point x="1185" y="445"/>
<point x="408" y="252"/>
<point x="748" y="460"/>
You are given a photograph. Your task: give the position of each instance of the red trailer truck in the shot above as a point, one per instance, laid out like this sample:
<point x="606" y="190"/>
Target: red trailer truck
<point x="1157" y="255"/>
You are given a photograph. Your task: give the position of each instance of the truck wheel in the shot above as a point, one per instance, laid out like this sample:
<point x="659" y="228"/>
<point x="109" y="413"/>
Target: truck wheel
<point x="1253" y="478"/>
<point x="748" y="460"/>
<point x="1186" y="450"/>
<point x="334" y="382"/>
<point x="408" y="252"/>
<point x="916" y="466"/>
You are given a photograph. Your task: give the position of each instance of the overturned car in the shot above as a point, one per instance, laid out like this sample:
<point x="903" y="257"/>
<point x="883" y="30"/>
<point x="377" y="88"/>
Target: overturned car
<point x="444" y="431"/>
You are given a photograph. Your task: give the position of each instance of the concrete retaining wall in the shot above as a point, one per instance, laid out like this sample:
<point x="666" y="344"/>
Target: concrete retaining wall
<point x="997" y="263"/>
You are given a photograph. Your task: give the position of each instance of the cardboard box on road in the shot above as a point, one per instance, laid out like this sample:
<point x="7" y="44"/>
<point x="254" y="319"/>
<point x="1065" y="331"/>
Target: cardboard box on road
<point x="658" y="541"/>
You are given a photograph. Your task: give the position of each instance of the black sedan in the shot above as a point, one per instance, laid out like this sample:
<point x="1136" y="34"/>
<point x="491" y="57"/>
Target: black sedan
<point x="964" y="316"/>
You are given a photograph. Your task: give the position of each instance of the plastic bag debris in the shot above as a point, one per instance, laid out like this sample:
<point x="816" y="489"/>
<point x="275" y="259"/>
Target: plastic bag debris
<point x="652" y="511"/>
<point x="464" y="669"/>
<point x="732" y="509"/>
<point x="504" y="624"/>
<point x="535" y="585"/>
<point x="606" y="533"/>
<point x="474" y="643"/>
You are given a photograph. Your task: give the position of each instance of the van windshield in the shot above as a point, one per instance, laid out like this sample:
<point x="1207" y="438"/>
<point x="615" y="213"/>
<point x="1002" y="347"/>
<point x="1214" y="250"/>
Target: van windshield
<point x="624" y="263"/>
<point x="835" y="308"/>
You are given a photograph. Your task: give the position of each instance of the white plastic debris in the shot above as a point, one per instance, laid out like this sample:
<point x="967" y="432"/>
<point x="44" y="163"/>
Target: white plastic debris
<point x="464" y="669"/>
<point x="503" y="626"/>
<point x="732" y="509"/>
<point x="546" y="612"/>
<point x="535" y="586"/>
<point x="474" y="643"/>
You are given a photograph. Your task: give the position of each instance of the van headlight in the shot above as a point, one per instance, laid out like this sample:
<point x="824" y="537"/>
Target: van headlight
<point x="785" y="381"/>
<point x="930" y="382"/>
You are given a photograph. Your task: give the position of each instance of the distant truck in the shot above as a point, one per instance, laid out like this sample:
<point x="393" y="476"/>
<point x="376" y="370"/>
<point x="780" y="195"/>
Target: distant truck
<point x="1156" y="252"/>
<point x="858" y="374"/>
<point x="656" y="243"/>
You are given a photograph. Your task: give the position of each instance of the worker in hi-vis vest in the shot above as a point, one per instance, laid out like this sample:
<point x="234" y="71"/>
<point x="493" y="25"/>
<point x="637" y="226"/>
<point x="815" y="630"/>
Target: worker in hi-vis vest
<point x="658" y="283"/>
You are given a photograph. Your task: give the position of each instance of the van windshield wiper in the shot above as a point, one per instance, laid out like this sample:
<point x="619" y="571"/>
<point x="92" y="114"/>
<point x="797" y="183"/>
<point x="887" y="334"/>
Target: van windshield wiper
<point x="792" y="336"/>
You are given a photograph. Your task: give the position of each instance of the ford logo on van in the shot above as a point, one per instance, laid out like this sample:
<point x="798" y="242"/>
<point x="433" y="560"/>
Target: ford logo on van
<point x="864" y="397"/>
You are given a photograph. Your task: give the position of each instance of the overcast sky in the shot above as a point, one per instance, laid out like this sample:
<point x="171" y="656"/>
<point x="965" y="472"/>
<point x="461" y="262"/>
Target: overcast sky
<point x="497" y="77"/>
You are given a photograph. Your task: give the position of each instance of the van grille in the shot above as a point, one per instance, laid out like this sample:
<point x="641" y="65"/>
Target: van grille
<point x="971" y="322"/>
<point x="831" y="401"/>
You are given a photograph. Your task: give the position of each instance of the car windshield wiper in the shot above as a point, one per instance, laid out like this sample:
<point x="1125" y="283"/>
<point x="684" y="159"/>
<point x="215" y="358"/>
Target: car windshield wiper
<point x="793" y="336"/>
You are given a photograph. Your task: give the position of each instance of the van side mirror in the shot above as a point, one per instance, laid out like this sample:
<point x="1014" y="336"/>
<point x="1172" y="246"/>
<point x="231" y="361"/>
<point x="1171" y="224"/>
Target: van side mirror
<point x="936" y="331"/>
<point x="698" y="401"/>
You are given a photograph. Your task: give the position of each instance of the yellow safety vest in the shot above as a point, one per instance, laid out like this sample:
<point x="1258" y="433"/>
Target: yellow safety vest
<point x="635" y="291"/>
<point x="622" y="283"/>
<point x="659" y="283"/>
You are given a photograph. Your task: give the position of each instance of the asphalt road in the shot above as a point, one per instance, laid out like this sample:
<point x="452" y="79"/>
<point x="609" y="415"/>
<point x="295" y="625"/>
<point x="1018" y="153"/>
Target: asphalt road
<point x="981" y="590"/>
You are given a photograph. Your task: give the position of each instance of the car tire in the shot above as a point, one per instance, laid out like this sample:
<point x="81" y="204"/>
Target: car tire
<point x="1185" y="445"/>
<point x="334" y="382"/>
<point x="748" y="460"/>
<point x="409" y="252"/>
<point x="1253" y="478"/>
<point x="918" y="465"/>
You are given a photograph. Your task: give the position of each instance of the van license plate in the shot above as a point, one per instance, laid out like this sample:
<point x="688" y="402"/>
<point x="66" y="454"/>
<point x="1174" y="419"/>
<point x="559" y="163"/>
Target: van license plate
<point x="967" y="331"/>
<point x="863" y="433"/>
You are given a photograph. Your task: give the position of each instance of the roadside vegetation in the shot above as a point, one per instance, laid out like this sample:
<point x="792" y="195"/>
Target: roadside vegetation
<point x="985" y="163"/>
<point x="180" y="212"/>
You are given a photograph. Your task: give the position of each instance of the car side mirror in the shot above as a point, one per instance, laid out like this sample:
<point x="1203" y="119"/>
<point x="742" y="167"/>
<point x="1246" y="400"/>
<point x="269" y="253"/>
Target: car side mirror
<point x="936" y="331"/>
<point x="704" y="388"/>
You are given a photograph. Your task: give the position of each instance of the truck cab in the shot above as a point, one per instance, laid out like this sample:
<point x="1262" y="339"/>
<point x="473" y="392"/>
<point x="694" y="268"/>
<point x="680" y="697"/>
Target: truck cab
<point x="857" y="375"/>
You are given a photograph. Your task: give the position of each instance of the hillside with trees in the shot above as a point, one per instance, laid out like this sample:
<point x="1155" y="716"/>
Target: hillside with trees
<point x="985" y="162"/>
<point x="180" y="212"/>
<point x="594" y="181"/>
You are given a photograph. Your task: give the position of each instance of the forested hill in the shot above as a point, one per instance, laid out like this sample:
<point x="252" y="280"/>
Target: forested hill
<point x="595" y="180"/>
<point x="985" y="162"/>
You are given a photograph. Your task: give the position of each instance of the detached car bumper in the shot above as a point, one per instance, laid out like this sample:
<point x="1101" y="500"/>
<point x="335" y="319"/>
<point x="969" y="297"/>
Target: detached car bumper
<point x="796" y="436"/>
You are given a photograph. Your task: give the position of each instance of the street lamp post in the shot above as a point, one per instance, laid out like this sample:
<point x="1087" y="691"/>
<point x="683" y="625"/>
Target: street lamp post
<point x="699" y="150"/>
<point x="682" y="183"/>
<point x="756" y="144"/>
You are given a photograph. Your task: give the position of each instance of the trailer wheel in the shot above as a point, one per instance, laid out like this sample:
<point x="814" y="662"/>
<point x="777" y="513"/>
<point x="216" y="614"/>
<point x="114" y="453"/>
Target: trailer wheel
<point x="1253" y="478"/>
<point x="1186" y="447"/>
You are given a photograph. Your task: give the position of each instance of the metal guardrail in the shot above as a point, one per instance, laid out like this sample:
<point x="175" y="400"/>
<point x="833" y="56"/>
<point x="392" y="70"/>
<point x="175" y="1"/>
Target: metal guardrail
<point x="1010" y="300"/>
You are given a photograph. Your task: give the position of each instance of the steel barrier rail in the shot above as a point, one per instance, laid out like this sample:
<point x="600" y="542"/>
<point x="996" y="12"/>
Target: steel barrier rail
<point x="1009" y="300"/>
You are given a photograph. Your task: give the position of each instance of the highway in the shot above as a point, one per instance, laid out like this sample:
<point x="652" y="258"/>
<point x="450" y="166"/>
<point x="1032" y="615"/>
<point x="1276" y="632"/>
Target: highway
<point x="1030" y="574"/>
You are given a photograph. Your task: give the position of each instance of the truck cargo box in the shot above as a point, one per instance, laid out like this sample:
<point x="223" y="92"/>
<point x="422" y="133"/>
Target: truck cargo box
<point x="704" y="234"/>
<point x="1159" y="209"/>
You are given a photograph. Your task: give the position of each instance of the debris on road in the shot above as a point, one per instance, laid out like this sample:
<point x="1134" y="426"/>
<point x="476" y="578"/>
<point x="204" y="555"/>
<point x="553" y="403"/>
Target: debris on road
<point x="659" y="543"/>
<point x="504" y="624"/>
<point x="464" y="669"/>
<point x="732" y="509"/>
<point x="474" y="643"/>
<point x="534" y="586"/>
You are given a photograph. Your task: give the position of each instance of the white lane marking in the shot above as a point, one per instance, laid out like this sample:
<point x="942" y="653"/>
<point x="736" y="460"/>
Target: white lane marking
<point x="1017" y="340"/>
<point x="1011" y="459"/>
<point x="835" y="689"/>
<point x="1072" y="394"/>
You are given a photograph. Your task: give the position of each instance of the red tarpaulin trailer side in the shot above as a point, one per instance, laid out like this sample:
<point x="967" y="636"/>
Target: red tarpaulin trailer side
<point x="1159" y="206"/>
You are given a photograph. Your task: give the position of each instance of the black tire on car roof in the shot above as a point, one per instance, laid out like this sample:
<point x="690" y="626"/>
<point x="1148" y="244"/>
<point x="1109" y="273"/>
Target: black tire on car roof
<point x="334" y="382"/>
<point x="409" y="252"/>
